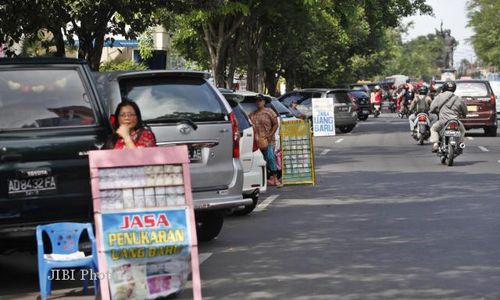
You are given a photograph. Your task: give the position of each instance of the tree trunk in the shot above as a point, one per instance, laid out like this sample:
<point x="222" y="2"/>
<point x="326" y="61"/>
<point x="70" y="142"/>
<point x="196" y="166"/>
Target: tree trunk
<point x="271" y="82"/>
<point x="59" y="41"/>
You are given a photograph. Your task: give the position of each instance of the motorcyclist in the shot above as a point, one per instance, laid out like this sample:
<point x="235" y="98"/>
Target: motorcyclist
<point x="377" y="100"/>
<point x="449" y="107"/>
<point x="421" y="104"/>
<point x="405" y="96"/>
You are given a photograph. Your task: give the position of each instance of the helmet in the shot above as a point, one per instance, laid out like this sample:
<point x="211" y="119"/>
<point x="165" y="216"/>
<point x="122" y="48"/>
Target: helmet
<point x="449" y="86"/>
<point x="377" y="87"/>
<point x="423" y="90"/>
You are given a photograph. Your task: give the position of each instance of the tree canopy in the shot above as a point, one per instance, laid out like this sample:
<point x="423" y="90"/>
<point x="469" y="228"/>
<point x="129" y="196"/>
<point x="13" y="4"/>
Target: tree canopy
<point x="484" y="20"/>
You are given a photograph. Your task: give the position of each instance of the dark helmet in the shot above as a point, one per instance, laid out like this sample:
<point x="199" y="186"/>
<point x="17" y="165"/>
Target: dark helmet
<point x="423" y="90"/>
<point x="449" y="86"/>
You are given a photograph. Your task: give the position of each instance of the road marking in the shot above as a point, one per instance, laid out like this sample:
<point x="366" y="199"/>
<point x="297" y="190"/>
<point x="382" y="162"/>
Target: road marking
<point x="470" y="138"/>
<point x="484" y="149"/>
<point x="202" y="257"/>
<point x="325" y="152"/>
<point x="498" y="161"/>
<point x="339" y="141"/>
<point x="266" y="203"/>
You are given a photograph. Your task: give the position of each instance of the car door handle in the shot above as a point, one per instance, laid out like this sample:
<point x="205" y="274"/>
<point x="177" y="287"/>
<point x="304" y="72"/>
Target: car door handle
<point x="11" y="157"/>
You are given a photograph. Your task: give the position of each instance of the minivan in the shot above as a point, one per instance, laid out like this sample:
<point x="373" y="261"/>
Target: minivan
<point x="184" y="108"/>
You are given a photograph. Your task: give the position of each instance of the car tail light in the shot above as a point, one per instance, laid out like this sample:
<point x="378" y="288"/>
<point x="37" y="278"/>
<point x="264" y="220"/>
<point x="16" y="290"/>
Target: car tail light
<point x="422" y="118"/>
<point x="453" y="126"/>
<point x="236" y="136"/>
<point x="255" y="141"/>
<point x="492" y="99"/>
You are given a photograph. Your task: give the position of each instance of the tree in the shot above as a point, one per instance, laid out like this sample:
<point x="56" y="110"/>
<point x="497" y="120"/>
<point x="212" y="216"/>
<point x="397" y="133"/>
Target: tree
<point x="87" y="21"/>
<point x="483" y="18"/>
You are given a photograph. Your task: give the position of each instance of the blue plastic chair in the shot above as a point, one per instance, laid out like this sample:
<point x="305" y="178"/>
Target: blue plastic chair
<point x="64" y="238"/>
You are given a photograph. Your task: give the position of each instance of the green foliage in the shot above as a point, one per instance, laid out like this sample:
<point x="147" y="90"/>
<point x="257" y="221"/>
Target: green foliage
<point x="122" y="65"/>
<point x="146" y="44"/>
<point x="90" y="21"/>
<point x="484" y="20"/>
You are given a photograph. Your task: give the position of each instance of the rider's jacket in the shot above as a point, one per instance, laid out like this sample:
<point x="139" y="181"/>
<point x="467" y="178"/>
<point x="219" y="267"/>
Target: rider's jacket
<point x="449" y="106"/>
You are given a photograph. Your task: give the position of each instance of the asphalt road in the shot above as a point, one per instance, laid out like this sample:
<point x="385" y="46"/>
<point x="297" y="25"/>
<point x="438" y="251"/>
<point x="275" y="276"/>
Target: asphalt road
<point x="385" y="221"/>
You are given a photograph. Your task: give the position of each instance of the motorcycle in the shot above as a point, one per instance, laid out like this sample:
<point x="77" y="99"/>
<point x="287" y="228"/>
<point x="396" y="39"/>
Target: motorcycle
<point x="376" y="110"/>
<point x="422" y="130"/>
<point x="449" y="142"/>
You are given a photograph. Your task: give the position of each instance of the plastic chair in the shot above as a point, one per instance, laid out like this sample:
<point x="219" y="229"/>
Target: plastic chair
<point x="64" y="238"/>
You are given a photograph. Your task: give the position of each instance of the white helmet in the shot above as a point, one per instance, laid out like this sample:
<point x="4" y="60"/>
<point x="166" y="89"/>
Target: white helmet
<point x="377" y="87"/>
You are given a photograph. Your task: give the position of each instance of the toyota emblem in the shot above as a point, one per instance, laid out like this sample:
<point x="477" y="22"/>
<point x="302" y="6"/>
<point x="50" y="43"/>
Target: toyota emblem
<point x="184" y="129"/>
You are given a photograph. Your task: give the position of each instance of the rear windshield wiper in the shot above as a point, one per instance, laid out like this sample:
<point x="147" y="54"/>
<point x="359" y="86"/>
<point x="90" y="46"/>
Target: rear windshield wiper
<point x="173" y="120"/>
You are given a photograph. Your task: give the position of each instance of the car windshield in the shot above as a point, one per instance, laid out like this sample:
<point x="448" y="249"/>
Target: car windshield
<point x="31" y="98"/>
<point x="472" y="89"/>
<point x="241" y="115"/>
<point x="339" y="97"/>
<point x="282" y="110"/>
<point x="359" y="94"/>
<point x="165" y="98"/>
<point x="248" y="107"/>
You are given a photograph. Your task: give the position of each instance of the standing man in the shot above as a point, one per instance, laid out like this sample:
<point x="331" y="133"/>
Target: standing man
<point x="449" y="107"/>
<point x="266" y="123"/>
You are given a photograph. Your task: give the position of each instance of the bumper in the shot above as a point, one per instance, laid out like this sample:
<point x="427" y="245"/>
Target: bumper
<point x="346" y="121"/>
<point x="213" y="198"/>
<point x="480" y="120"/>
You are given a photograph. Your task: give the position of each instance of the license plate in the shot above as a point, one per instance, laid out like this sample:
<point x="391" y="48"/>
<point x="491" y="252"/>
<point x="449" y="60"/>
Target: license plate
<point x="32" y="186"/>
<point x="471" y="108"/>
<point x="342" y="108"/>
<point x="366" y="112"/>
<point x="195" y="154"/>
<point x="451" y="133"/>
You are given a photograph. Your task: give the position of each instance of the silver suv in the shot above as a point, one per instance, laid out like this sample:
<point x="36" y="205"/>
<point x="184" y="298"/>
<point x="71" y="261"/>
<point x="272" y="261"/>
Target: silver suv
<point x="345" y="116"/>
<point x="182" y="107"/>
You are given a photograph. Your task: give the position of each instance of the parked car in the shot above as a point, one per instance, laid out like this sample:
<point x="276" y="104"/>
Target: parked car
<point x="345" y="115"/>
<point x="183" y="107"/>
<point x="481" y="106"/>
<point x="247" y="102"/>
<point x="495" y="86"/>
<point x="254" y="165"/>
<point x="50" y="117"/>
<point x="362" y="102"/>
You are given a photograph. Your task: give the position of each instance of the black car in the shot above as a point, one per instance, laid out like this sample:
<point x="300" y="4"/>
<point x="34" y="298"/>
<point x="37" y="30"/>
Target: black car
<point x="362" y="101"/>
<point x="50" y="117"/>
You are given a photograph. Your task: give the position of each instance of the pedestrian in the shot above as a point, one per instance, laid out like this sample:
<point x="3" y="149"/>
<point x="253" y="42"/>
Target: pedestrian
<point x="266" y="124"/>
<point x="130" y="131"/>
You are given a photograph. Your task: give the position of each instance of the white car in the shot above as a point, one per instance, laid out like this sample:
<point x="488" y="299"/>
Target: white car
<point x="495" y="86"/>
<point x="254" y="165"/>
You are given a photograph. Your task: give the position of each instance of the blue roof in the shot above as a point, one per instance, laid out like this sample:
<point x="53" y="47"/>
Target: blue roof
<point x="117" y="43"/>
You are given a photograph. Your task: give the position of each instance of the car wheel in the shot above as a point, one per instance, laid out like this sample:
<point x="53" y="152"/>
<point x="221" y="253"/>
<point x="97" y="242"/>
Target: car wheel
<point x="346" y="129"/>
<point x="248" y="208"/>
<point x="208" y="225"/>
<point x="363" y="118"/>
<point x="491" y="131"/>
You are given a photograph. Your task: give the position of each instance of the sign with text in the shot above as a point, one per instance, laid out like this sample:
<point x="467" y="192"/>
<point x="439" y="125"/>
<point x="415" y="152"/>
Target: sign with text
<point x="323" y="117"/>
<point x="145" y="229"/>
<point x="297" y="158"/>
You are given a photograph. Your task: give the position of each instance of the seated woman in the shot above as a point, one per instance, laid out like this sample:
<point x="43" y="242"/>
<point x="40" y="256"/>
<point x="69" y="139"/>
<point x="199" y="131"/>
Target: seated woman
<point x="130" y="131"/>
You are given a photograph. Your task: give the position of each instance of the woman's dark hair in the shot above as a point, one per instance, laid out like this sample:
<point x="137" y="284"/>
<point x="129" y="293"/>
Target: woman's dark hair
<point x="116" y="123"/>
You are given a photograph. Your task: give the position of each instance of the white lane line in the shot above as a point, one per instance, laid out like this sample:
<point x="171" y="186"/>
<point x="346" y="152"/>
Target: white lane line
<point x="202" y="257"/>
<point x="498" y="161"/>
<point x="470" y="138"/>
<point x="339" y="141"/>
<point x="484" y="149"/>
<point x="266" y="203"/>
<point x="325" y="152"/>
